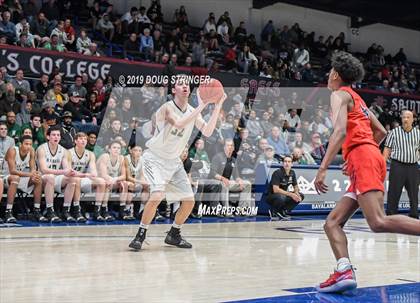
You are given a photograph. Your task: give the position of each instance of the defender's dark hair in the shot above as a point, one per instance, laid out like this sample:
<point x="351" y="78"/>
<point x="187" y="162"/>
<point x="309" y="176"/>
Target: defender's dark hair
<point x="348" y="67"/>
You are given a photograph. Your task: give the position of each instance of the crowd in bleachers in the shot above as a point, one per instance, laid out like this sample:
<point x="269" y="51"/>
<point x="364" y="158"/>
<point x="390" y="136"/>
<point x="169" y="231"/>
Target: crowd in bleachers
<point x="144" y="34"/>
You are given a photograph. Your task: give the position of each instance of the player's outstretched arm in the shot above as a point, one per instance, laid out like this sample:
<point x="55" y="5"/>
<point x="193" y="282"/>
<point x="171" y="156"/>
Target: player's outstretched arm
<point x="208" y="128"/>
<point x="181" y="123"/>
<point x="339" y="104"/>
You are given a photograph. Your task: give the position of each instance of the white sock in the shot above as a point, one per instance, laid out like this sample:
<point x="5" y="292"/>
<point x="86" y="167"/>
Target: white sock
<point x="144" y="226"/>
<point x="343" y="264"/>
<point x="67" y="204"/>
<point x="174" y="225"/>
<point x="76" y="203"/>
<point x="141" y="207"/>
<point x="37" y="205"/>
<point x="9" y="206"/>
<point x="50" y="205"/>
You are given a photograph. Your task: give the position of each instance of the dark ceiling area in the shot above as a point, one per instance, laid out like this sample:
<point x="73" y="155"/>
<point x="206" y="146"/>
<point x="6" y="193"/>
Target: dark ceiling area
<point x="398" y="13"/>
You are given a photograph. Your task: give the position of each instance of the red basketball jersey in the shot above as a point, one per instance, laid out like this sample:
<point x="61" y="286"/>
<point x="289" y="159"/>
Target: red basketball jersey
<point x="359" y="130"/>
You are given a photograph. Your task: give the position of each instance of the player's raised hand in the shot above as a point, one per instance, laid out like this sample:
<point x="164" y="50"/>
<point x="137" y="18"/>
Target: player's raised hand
<point x="319" y="182"/>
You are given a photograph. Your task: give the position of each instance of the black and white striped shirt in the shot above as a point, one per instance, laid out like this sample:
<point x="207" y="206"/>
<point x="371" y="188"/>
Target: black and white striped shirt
<point x="405" y="146"/>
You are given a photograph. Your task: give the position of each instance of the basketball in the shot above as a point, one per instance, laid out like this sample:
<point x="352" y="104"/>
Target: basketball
<point x="211" y="91"/>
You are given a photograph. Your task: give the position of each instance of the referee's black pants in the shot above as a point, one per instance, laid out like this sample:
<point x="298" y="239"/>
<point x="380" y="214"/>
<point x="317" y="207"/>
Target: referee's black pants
<point x="279" y="202"/>
<point x="403" y="175"/>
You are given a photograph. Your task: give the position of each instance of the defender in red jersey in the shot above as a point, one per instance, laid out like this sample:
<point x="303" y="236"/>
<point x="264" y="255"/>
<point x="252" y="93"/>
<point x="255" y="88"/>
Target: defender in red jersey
<point x="358" y="133"/>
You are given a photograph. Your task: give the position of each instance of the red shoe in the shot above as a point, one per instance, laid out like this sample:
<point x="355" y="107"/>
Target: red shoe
<point x="339" y="282"/>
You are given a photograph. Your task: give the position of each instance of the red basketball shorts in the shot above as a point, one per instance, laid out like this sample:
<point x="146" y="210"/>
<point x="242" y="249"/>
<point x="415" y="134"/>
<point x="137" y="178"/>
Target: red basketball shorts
<point x="367" y="170"/>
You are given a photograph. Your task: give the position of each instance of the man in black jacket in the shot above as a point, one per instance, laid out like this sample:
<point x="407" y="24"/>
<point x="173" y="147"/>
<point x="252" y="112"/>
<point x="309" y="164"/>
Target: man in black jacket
<point x="283" y="191"/>
<point x="68" y="131"/>
<point x="81" y="117"/>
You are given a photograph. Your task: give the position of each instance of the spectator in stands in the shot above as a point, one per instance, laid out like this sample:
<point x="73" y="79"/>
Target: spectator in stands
<point x="41" y="26"/>
<point x="245" y="59"/>
<point x="400" y="57"/>
<point x="254" y="127"/>
<point x="266" y="124"/>
<point x="56" y="96"/>
<point x="266" y="158"/>
<point x="83" y="42"/>
<point x="60" y="32"/>
<point x="54" y="44"/>
<point x="95" y="14"/>
<point x="92" y="146"/>
<point x="25" y="42"/>
<point x="30" y="9"/>
<point x="100" y="91"/>
<point x="8" y="101"/>
<point x="51" y="10"/>
<point x="78" y="87"/>
<point x="24" y="117"/>
<point x="42" y="87"/>
<point x="37" y="129"/>
<point x="22" y="86"/>
<point x="240" y="33"/>
<point x="5" y="143"/>
<point x="320" y="49"/>
<point x="318" y="149"/>
<point x="223" y="32"/>
<point x="395" y="88"/>
<point x="300" y="57"/>
<point x="68" y="131"/>
<point x="131" y="46"/>
<point x="283" y="191"/>
<point x="308" y="74"/>
<point x="70" y="33"/>
<point x="80" y="114"/>
<point x="106" y="27"/>
<point x="280" y="146"/>
<point x="128" y="18"/>
<point x="146" y="45"/>
<point x="299" y="142"/>
<point x="267" y="31"/>
<point x="199" y="54"/>
<point x="302" y="158"/>
<point x="13" y="129"/>
<point x="293" y="120"/>
<point x="246" y="155"/>
<point x="8" y="28"/>
<point x="92" y="50"/>
<point x="198" y="153"/>
<point x="144" y="21"/>
<point x="225" y="174"/>
<point x="210" y="25"/>
<point x="225" y="18"/>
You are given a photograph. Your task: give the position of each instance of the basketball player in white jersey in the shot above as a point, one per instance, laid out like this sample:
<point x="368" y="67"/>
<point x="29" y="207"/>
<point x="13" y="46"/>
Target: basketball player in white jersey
<point x="56" y="174"/>
<point x="162" y="166"/>
<point x="112" y="169"/>
<point x="83" y="162"/>
<point x="22" y="174"/>
<point x="135" y="178"/>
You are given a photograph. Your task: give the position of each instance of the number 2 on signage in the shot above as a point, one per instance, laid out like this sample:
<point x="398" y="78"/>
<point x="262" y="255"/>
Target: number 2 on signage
<point x="336" y="184"/>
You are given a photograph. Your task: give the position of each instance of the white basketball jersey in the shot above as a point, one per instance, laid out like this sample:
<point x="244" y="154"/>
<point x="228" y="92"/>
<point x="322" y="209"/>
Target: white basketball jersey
<point x="168" y="142"/>
<point x="53" y="160"/>
<point x="80" y="164"/>
<point x="22" y="165"/>
<point x="114" y="170"/>
<point x="135" y="168"/>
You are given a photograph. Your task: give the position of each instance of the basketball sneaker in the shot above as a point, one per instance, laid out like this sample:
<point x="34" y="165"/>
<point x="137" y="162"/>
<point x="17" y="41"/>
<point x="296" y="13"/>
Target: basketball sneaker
<point x="51" y="216"/>
<point x="77" y="214"/>
<point x="97" y="214"/>
<point x="138" y="240"/>
<point x="339" y="282"/>
<point x="125" y="214"/>
<point x="38" y="216"/>
<point x="8" y="217"/>
<point x="66" y="216"/>
<point x="174" y="238"/>
<point x="106" y="215"/>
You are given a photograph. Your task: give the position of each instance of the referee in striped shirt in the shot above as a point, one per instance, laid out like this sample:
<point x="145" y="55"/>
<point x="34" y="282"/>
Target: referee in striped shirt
<point x="403" y="147"/>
